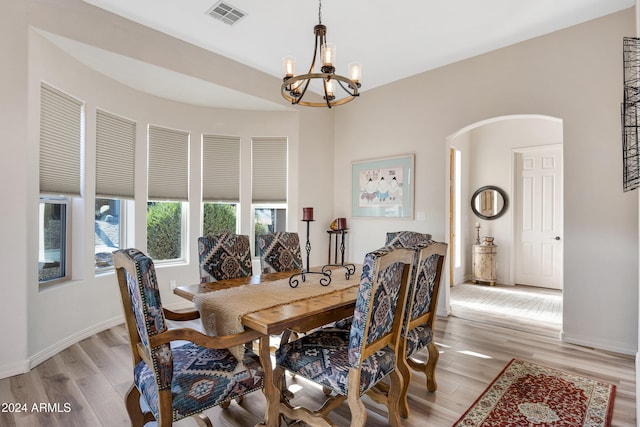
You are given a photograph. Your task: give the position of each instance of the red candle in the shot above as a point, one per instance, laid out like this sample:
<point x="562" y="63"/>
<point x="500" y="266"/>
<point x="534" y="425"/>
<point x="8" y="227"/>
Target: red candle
<point x="307" y="214"/>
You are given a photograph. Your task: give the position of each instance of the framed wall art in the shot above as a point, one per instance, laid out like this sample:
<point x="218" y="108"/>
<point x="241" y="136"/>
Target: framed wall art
<point x="382" y="188"/>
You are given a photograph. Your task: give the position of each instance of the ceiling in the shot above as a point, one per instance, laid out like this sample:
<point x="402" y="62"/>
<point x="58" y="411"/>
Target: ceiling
<point x="392" y="40"/>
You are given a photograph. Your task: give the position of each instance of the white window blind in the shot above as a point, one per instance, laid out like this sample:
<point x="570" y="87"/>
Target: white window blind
<point x="220" y="168"/>
<point x="60" y="142"/>
<point x="269" y="170"/>
<point x="115" y="147"/>
<point x="168" y="164"/>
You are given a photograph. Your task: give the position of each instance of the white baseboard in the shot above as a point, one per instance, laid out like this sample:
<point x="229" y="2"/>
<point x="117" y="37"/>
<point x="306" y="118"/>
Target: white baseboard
<point x="65" y="343"/>
<point x="600" y="345"/>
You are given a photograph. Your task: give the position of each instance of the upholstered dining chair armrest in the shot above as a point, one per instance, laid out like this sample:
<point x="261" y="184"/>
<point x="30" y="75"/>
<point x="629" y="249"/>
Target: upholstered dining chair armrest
<point x="196" y="337"/>
<point x="181" y="316"/>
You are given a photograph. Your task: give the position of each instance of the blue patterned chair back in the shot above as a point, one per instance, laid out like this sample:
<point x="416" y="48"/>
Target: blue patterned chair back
<point x="380" y="302"/>
<point x="406" y="239"/>
<point x="424" y="292"/>
<point x="279" y="251"/>
<point x="224" y="256"/>
<point x="146" y="308"/>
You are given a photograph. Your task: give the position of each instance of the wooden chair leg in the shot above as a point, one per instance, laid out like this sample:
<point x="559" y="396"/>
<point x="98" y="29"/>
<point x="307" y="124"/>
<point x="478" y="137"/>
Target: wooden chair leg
<point x="405" y="373"/>
<point x="434" y="354"/>
<point x="395" y="397"/>
<point x="202" y="420"/>
<point x="356" y="406"/>
<point x="132" y="403"/>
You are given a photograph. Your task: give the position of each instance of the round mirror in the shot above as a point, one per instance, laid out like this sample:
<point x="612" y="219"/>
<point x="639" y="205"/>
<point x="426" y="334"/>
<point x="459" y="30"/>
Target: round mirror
<point x="489" y="202"/>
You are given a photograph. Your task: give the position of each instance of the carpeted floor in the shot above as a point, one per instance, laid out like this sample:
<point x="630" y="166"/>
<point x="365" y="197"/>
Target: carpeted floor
<point x="521" y="307"/>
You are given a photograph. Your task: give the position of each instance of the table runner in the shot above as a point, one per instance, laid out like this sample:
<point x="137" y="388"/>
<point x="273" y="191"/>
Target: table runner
<point x="221" y="311"/>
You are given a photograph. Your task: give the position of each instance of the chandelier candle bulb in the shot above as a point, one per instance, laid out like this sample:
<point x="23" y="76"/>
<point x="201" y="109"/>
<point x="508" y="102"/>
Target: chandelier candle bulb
<point x="289" y="66"/>
<point x="328" y="54"/>
<point x="330" y="89"/>
<point x="355" y="72"/>
<point x="307" y="214"/>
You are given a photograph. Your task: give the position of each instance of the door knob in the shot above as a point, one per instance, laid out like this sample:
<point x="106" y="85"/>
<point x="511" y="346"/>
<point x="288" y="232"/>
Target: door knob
<point x="556" y="238"/>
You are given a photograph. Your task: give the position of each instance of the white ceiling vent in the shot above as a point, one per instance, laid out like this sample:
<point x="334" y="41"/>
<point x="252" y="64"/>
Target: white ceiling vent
<point x="226" y="13"/>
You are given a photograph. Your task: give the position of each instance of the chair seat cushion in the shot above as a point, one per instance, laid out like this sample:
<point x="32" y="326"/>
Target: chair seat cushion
<point x="202" y="378"/>
<point x="322" y="357"/>
<point x="418" y="338"/>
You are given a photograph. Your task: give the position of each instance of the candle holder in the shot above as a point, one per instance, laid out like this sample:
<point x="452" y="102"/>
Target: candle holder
<point x="477" y="233"/>
<point x="293" y="280"/>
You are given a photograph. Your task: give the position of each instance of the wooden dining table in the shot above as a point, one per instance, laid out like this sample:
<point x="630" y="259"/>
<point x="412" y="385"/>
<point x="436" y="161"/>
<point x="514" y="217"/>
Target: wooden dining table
<point x="300" y="315"/>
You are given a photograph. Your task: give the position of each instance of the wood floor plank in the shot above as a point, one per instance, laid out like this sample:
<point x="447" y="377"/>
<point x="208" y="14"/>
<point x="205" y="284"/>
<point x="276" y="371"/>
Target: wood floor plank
<point x="94" y="374"/>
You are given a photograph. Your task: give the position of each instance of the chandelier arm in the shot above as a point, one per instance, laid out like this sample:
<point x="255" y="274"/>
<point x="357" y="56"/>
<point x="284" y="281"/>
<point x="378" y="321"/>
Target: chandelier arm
<point x="355" y="93"/>
<point x="306" y="85"/>
<point x="315" y="52"/>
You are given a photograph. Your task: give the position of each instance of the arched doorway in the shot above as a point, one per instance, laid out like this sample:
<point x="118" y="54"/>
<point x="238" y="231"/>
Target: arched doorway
<point x="486" y="153"/>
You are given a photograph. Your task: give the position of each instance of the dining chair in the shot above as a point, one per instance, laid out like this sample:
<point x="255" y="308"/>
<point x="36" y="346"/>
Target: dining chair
<point x="224" y="256"/>
<point x="418" y="328"/>
<point x="176" y="380"/>
<point x="279" y="251"/>
<point x="351" y="362"/>
<point x="405" y="239"/>
<point x="396" y="239"/>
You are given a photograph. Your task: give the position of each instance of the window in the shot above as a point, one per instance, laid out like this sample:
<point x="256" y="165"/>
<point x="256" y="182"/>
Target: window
<point x="168" y="169"/>
<point x="54" y="224"/>
<point x="268" y="186"/>
<point x="60" y="171"/>
<point x="115" y="149"/>
<point x="219" y="218"/>
<point x="267" y="220"/>
<point x="165" y="226"/>
<point x="108" y="231"/>
<point x="220" y="184"/>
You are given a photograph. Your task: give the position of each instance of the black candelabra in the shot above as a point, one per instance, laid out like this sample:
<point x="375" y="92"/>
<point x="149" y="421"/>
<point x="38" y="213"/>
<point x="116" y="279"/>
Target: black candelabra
<point x="307" y="216"/>
<point x="339" y="232"/>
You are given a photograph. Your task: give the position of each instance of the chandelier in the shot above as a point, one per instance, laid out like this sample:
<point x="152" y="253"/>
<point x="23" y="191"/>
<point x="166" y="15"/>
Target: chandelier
<point x="295" y="87"/>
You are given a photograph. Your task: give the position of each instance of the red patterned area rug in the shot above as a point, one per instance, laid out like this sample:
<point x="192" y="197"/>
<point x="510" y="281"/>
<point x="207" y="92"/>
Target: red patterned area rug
<point x="526" y="394"/>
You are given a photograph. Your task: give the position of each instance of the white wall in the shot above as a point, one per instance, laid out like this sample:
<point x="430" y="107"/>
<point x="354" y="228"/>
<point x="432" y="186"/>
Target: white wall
<point x="13" y="169"/>
<point x="44" y="322"/>
<point x="574" y="75"/>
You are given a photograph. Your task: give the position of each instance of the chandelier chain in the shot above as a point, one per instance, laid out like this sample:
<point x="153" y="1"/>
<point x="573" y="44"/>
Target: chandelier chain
<point x="319" y="11"/>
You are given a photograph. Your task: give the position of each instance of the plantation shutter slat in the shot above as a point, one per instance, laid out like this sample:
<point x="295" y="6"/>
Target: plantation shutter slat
<point x="60" y="142"/>
<point x="168" y="164"/>
<point x="269" y="170"/>
<point x="220" y="168"/>
<point x="115" y="155"/>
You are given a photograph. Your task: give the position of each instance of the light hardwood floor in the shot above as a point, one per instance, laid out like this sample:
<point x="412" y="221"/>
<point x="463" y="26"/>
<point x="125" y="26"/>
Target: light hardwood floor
<point x="92" y="376"/>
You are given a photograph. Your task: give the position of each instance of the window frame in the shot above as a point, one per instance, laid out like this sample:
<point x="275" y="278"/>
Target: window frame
<point x="66" y="250"/>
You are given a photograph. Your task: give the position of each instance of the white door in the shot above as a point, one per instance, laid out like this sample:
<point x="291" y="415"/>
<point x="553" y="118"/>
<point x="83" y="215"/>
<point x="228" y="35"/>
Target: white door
<point x="539" y="217"/>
